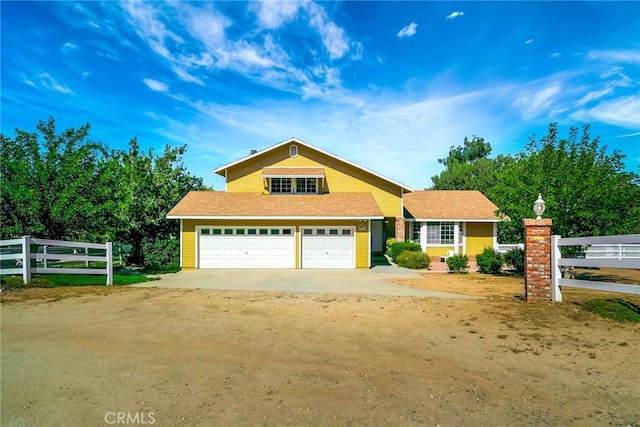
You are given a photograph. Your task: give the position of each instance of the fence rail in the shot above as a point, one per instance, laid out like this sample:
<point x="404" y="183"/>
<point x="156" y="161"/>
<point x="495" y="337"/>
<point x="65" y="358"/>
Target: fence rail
<point x="620" y="260"/>
<point x="20" y="251"/>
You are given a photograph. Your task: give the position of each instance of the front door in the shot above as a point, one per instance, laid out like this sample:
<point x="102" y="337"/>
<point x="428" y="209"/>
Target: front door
<point x="377" y="236"/>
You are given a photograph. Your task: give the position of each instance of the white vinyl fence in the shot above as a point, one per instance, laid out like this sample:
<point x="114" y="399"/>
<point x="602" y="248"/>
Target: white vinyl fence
<point x="18" y="253"/>
<point x="614" y="255"/>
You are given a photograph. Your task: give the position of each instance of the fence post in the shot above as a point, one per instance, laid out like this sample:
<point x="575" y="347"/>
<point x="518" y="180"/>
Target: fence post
<point x="620" y="251"/>
<point x="44" y="251"/>
<point x="537" y="270"/>
<point x="556" y="290"/>
<point x="109" y="263"/>
<point x="26" y="259"/>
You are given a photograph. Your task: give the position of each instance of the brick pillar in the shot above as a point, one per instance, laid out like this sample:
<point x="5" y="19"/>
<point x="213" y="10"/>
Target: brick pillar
<point x="537" y="270"/>
<point x="400" y="229"/>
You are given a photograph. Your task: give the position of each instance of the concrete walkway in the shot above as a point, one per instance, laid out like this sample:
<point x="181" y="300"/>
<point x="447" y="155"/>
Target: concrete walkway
<point x="375" y="281"/>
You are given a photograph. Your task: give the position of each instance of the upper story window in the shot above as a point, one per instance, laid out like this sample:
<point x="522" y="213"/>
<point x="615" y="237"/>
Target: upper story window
<point x="306" y="185"/>
<point x="293" y="185"/>
<point x="293" y="150"/>
<point x="280" y="185"/>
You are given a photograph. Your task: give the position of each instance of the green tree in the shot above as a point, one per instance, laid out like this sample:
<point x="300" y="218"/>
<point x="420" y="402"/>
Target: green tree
<point x="55" y="185"/>
<point x="469" y="167"/>
<point x="149" y="186"/>
<point x="586" y="190"/>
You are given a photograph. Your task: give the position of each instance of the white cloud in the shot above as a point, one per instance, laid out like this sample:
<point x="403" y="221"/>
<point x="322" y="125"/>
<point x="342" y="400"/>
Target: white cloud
<point x="624" y="111"/>
<point x="534" y="102"/>
<point x="155" y="85"/>
<point x="529" y="41"/>
<point x="454" y="15"/>
<point x="408" y="30"/>
<point x="555" y="55"/>
<point x="630" y="56"/>
<point x="333" y="37"/>
<point x="274" y="14"/>
<point x="49" y="82"/>
<point x="69" y="45"/>
<point x="593" y="95"/>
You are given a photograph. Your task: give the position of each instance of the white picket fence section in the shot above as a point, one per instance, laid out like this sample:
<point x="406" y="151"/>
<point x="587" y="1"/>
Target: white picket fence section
<point x="622" y="259"/>
<point x="503" y="248"/>
<point x="20" y="251"/>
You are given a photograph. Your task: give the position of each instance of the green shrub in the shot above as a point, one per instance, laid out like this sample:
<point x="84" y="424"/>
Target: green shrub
<point x="414" y="260"/>
<point x="398" y="247"/>
<point x="458" y="263"/>
<point x="390" y="242"/>
<point x="489" y="261"/>
<point x="161" y="254"/>
<point x="514" y="258"/>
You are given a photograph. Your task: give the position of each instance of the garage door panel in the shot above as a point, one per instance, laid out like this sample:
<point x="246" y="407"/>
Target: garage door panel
<point x="229" y="250"/>
<point x="328" y="248"/>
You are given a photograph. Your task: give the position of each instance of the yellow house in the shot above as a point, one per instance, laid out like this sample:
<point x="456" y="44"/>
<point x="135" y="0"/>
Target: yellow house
<point x="294" y="205"/>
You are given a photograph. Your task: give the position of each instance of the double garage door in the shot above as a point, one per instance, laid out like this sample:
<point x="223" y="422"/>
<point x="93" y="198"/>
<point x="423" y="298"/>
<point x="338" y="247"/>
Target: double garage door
<point x="275" y="247"/>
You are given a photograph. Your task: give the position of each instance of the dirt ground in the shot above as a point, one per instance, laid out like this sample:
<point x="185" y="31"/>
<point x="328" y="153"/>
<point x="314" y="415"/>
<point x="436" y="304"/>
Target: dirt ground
<point x="78" y="357"/>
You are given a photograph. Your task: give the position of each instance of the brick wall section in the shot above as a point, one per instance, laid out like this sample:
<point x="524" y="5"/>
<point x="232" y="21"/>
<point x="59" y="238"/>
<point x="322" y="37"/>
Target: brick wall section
<point x="400" y="229"/>
<point x="537" y="273"/>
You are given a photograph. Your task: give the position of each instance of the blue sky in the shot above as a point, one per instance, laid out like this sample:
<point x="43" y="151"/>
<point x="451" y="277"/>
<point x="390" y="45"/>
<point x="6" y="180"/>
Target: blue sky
<point x="388" y="85"/>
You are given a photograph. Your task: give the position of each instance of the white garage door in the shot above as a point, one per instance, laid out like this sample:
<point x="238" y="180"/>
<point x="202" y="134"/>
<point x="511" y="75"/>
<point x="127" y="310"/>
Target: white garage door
<point x="246" y="247"/>
<point x="328" y="247"/>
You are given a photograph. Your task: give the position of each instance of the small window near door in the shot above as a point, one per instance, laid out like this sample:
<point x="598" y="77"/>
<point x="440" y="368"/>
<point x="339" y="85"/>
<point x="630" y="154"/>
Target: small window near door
<point x="204" y="231"/>
<point x="293" y="150"/>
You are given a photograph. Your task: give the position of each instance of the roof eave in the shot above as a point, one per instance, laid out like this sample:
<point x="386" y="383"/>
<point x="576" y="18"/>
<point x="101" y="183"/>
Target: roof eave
<point x="282" y="217"/>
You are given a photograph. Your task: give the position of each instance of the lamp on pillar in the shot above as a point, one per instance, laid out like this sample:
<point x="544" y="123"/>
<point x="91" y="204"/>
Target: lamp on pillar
<point x="538" y="206"/>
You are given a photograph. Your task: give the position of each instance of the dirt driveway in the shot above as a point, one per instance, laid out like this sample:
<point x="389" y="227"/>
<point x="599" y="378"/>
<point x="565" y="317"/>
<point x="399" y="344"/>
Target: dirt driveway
<point x="214" y="357"/>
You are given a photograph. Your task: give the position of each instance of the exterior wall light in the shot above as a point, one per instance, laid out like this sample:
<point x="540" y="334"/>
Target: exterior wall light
<point x="539" y="206"/>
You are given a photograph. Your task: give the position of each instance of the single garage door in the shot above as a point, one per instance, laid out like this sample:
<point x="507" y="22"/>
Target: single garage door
<point x="246" y="247"/>
<point x="328" y="247"/>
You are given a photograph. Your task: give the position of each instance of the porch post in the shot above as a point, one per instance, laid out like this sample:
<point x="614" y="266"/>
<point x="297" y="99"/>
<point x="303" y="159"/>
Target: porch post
<point x="400" y="231"/>
<point x="423" y="236"/>
<point x="456" y="237"/>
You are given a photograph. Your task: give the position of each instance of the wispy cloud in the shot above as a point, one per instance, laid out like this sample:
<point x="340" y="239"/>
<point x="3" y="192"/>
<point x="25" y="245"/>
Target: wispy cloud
<point x="156" y="85"/>
<point x="333" y="37"/>
<point x="454" y="15"/>
<point x="529" y="41"/>
<point x="49" y="82"/>
<point x="630" y="56"/>
<point x="69" y="45"/>
<point x="408" y="30"/>
<point x="623" y="111"/>
<point x="555" y="55"/>
<point x="274" y="14"/>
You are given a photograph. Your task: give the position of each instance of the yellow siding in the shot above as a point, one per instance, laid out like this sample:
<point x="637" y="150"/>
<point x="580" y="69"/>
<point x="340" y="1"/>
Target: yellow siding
<point x="340" y="177"/>
<point x="189" y="236"/>
<point x="479" y="236"/>
<point x="438" y="251"/>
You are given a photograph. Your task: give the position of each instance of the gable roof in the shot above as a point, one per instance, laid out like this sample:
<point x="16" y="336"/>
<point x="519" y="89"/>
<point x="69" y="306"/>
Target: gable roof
<point x="450" y="205"/>
<point x="221" y="169"/>
<point x="222" y="205"/>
